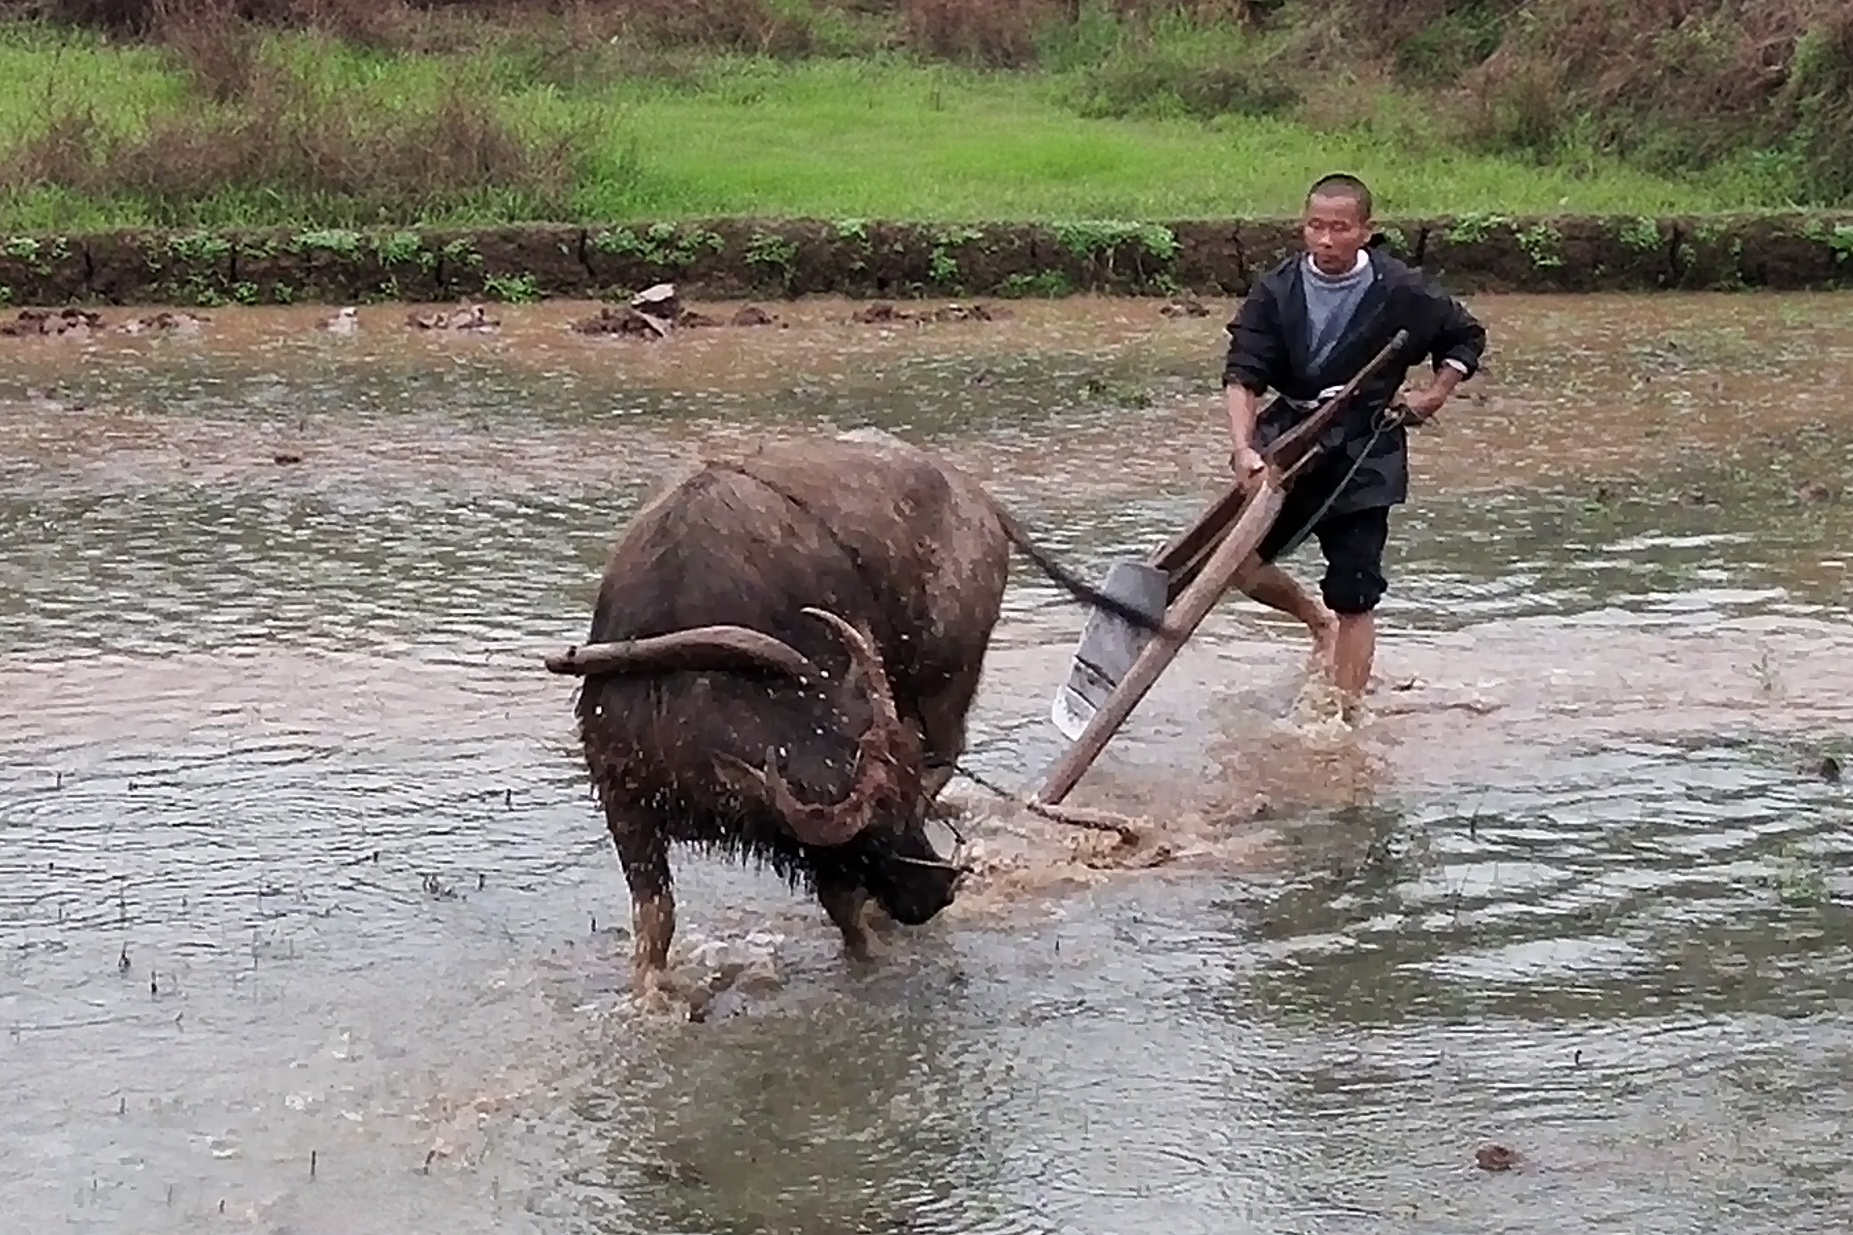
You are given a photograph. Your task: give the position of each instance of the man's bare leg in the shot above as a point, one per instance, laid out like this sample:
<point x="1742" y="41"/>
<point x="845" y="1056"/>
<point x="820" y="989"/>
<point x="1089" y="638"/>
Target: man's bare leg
<point x="1354" y="647"/>
<point x="1275" y="588"/>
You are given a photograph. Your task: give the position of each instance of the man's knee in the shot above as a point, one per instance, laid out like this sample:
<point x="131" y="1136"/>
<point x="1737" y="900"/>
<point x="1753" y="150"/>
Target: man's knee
<point x="1349" y="589"/>
<point x="1354" y="580"/>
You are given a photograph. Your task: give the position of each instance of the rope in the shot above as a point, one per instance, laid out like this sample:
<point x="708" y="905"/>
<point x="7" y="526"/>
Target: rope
<point x="982" y="782"/>
<point x="1094" y="821"/>
<point x="1381" y="423"/>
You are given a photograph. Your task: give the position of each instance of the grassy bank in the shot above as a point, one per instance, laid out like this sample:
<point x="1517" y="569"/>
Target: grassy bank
<point x="205" y="121"/>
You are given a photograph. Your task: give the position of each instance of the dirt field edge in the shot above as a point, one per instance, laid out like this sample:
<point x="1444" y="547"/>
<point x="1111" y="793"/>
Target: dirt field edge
<point x="726" y="258"/>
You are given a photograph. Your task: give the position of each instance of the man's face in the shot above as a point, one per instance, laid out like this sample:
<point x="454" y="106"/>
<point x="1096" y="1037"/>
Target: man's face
<point x="1334" y="230"/>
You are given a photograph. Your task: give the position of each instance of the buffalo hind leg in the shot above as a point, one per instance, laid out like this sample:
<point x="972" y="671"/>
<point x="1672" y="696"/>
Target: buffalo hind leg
<point x="645" y="858"/>
<point x="845" y="901"/>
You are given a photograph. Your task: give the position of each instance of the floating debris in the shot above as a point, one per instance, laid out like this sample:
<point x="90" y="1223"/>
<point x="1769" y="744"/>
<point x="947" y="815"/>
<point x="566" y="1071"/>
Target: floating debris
<point x="345" y="320"/>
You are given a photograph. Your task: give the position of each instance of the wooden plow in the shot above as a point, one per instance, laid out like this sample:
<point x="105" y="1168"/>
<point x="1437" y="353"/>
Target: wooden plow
<point x="1199" y="564"/>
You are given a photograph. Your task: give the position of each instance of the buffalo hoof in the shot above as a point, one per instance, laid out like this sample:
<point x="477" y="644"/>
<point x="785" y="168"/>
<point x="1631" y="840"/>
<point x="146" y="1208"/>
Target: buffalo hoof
<point x="945" y="812"/>
<point x="863" y="948"/>
<point x="656" y="994"/>
<point x="869" y="935"/>
<point x="876" y="919"/>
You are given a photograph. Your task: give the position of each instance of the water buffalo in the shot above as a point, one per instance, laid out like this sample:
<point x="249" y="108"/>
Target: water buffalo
<point x="782" y="655"/>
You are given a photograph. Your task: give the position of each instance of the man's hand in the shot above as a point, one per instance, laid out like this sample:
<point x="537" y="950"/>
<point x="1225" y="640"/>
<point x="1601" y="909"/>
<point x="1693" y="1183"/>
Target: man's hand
<point x="1423" y="404"/>
<point x="1245" y="461"/>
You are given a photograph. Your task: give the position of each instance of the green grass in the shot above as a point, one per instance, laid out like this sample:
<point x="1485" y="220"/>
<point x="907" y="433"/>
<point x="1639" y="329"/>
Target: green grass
<point x="851" y="139"/>
<point x="818" y="138"/>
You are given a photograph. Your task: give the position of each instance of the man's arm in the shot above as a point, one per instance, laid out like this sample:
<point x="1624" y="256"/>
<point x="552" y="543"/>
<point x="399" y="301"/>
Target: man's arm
<point x="1460" y="339"/>
<point x="1241" y="404"/>
<point x="1250" y="366"/>
<point x="1458" y="347"/>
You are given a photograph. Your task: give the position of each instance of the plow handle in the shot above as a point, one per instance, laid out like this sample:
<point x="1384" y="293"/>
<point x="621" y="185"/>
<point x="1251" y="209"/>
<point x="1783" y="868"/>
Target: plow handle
<point x="1183" y="557"/>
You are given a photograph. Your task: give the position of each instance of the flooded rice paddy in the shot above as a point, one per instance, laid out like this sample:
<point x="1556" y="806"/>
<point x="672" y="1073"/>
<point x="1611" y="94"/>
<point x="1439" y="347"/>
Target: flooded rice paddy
<point x="308" y="923"/>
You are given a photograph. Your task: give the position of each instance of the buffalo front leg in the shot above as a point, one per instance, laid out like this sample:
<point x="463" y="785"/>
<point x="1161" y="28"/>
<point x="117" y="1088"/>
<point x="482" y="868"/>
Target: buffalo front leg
<point x="935" y="780"/>
<point x="845" y="900"/>
<point x="645" y="858"/>
<point x="943" y="730"/>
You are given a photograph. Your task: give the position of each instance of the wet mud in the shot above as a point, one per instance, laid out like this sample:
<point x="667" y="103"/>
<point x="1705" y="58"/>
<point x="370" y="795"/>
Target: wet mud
<point x="308" y="921"/>
<point x="725" y="258"/>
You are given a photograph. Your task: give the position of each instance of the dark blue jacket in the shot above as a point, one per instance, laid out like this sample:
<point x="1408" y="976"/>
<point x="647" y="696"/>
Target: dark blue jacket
<point x="1268" y="351"/>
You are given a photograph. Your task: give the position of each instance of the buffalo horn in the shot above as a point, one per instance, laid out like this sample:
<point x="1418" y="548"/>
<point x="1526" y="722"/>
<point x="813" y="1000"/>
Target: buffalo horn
<point x="700" y="648"/>
<point x="873" y="776"/>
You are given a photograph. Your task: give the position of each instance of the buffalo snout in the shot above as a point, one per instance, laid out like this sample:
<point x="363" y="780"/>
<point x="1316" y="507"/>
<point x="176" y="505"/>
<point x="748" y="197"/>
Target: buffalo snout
<point x="908" y="878"/>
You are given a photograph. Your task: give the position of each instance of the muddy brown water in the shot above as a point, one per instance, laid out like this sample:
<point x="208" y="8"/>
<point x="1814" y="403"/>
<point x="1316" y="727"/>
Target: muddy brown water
<point x="307" y="923"/>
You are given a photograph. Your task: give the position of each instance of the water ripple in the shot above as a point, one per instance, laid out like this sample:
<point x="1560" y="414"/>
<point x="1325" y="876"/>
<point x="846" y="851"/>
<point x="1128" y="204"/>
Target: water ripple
<point x="296" y="857"/>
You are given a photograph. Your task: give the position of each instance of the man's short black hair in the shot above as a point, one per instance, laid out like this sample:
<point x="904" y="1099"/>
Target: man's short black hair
<point x="1339" y="184"/>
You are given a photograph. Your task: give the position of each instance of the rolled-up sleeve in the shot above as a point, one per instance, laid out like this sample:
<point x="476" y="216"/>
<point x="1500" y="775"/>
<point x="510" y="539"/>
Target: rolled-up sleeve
<point x="1460" y="338"/>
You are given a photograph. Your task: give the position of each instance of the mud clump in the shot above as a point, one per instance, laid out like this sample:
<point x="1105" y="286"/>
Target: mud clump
<point x="621" y="321"/>
<point x="1185" y="306"/>
<point x="1815" y="492"/>
<point x="1131" y="855"/>
<point x="342" y="321"/>
<point x="657" y="311"/>
<point x="36" y="322"/>
<point x="884" y="312"/>
<point x="42" y="322"/>
<point x="164" y="323"/>
<point x="1496" y="1157"/>
<point x="470" y="317"/>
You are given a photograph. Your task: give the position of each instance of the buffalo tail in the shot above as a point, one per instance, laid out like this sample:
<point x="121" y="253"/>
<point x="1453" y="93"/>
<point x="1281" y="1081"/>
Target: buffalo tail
<point x="1076" y="586"/>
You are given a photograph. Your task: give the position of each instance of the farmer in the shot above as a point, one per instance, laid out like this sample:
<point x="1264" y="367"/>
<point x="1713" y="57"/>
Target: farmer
<point x="1304" y="329"/>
